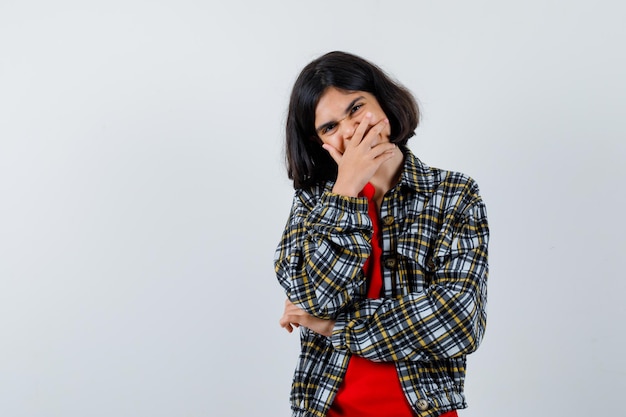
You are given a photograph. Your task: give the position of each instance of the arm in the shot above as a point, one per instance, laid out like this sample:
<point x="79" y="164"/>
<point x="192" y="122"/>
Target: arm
<point x="327" y="239"/>
<point x="323" y="248"/>
<point x="444" y="320"/>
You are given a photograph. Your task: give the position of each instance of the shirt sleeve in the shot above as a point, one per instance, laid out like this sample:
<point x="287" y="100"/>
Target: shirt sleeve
<point x="446" y="319"/>
<point x="323" y="248"/>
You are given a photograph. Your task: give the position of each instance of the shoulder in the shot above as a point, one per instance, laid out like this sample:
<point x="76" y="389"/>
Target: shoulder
<point x="444" y="188"/>
<point x="453" y="183"/>
<point x="427" y="179"/>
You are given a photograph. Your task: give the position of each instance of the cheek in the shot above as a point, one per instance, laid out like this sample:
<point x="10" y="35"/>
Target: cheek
<point x="334" y="141"/>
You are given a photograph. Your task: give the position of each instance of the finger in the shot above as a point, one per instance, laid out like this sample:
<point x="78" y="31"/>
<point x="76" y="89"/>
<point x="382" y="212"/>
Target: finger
<point x="334" y="153"/>
<point x="383" y="150"/>
<point x="289" y="318"/>
<point x="374" y="135"/>
<point x="286" y="324"/>
<point x="361" y="129"/>
<point x="286" y="319"/>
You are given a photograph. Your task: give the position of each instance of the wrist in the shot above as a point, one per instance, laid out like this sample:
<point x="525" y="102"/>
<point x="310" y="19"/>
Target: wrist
<point x="330" y="325"/>
<point x="345" y="190"/>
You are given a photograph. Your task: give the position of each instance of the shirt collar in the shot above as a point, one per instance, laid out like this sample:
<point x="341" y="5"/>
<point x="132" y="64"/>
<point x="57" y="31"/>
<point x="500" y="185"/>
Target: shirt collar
<point x="416" y="174"/>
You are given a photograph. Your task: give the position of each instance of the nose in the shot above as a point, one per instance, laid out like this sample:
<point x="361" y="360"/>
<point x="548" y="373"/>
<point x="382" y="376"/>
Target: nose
<point x="347" y="128"/>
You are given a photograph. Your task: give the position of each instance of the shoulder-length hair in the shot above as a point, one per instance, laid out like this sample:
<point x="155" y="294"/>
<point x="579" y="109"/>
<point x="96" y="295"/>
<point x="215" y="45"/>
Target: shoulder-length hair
<point x="307" y="162"/>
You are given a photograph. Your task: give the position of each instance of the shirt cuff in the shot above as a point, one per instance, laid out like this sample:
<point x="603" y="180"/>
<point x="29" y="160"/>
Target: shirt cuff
<point x="344" y="203"/>
<point x="338" y="213"/>
<point x="338" y="338"/>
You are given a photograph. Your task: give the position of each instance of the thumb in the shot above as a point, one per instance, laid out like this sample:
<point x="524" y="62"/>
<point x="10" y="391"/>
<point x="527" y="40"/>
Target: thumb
<point x="334" y="153"/>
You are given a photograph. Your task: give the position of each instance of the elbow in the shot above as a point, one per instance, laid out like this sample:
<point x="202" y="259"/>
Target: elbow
<point x="466" y="335"/>
<point x="475" y="339"/>
<point x="470" y="334"/>
<point x="471" y="319"/>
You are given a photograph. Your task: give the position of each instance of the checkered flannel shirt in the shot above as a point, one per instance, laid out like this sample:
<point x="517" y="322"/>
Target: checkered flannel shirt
<point x="432" y="310"/>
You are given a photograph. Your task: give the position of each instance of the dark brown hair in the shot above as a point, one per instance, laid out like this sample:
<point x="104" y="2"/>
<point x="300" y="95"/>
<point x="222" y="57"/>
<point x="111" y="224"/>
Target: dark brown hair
<point x="307" y="162"/>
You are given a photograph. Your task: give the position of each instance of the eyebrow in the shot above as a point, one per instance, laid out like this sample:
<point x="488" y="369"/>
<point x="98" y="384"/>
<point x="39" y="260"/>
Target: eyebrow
<point x="352" y="103"/>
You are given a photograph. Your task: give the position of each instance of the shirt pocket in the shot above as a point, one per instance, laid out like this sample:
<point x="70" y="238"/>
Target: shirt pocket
<point x="415" y="250"/>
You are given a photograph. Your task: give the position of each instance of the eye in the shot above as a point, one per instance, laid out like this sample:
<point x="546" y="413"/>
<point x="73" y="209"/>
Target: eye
<point x="356" y="108"/>
<point x="328" y="128"/>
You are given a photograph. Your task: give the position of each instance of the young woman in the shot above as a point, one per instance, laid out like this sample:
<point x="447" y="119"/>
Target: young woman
<point x="383" y="259"/>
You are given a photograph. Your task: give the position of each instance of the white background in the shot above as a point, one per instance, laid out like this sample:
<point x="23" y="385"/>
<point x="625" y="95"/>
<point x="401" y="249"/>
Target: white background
<point x="143" y="191"/>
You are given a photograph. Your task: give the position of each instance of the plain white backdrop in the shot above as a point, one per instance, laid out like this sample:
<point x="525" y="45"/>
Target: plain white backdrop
<point x="143" y="192"/>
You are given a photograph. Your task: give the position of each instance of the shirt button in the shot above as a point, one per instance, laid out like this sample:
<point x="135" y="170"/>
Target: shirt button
<point x="422" y="405"/>
<point x="390" y="263"/>
<point x="388" y="220"/>
<point x="430" y="264"/>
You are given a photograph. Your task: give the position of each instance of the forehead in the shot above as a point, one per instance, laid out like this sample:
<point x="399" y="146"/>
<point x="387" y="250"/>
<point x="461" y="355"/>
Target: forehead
<point x="333" y="102"/>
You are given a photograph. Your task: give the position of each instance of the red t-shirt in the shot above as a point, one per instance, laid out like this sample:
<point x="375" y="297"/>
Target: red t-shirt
<point x="372" y="389"/>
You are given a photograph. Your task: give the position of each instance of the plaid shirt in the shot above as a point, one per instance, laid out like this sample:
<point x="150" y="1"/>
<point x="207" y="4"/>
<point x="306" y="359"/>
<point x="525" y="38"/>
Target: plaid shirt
<point x="434" y="237"/>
